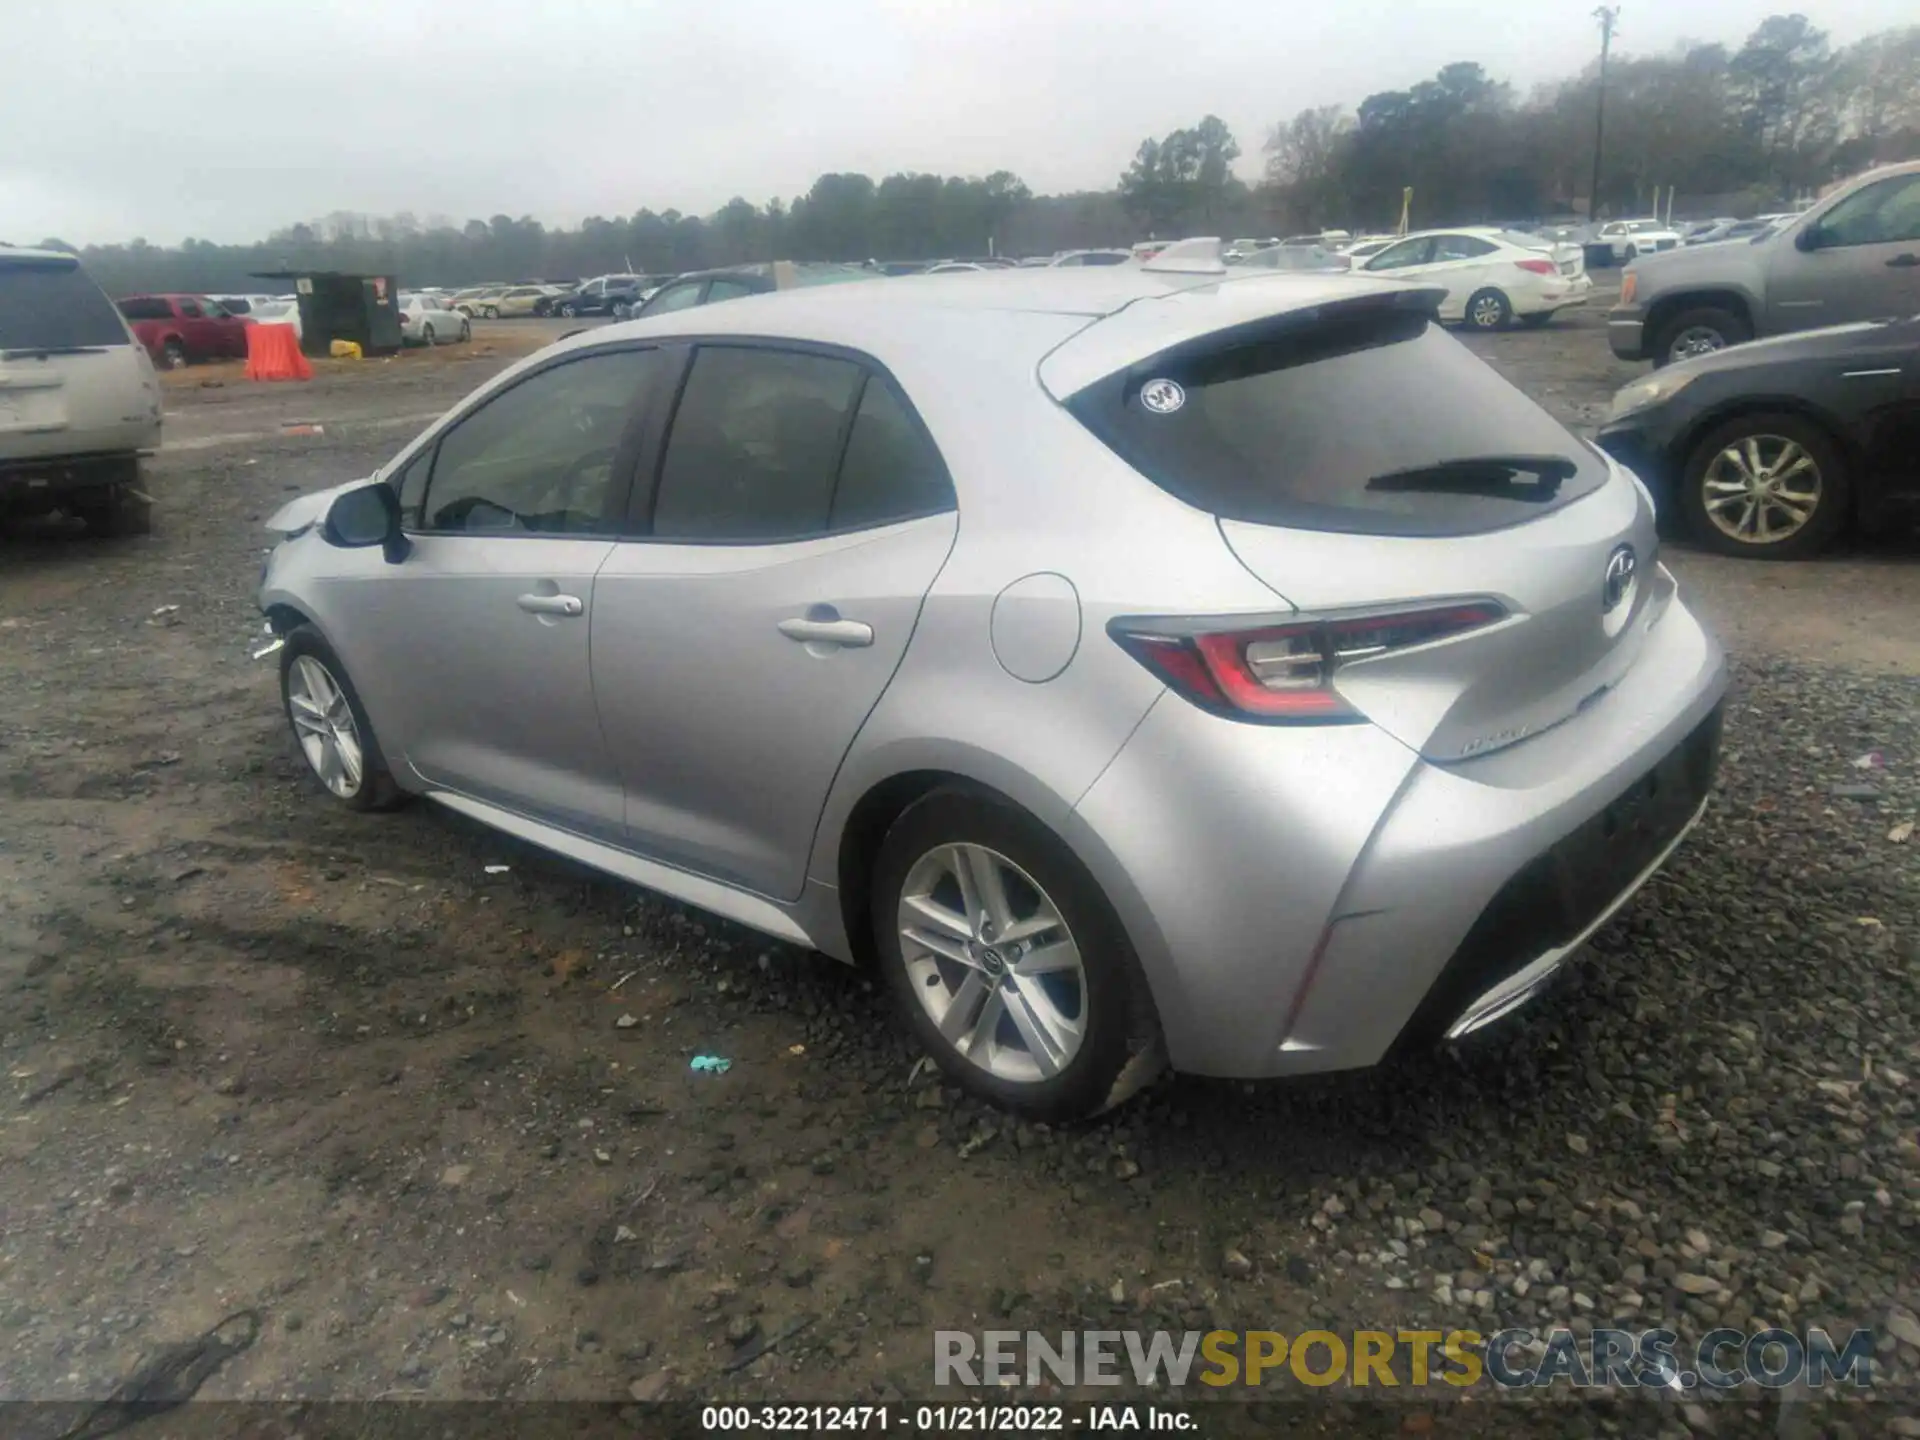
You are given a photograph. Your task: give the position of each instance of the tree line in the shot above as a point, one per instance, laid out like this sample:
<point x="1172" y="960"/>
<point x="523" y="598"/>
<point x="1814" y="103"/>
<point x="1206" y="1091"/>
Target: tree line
<point x="1734" y="130"/>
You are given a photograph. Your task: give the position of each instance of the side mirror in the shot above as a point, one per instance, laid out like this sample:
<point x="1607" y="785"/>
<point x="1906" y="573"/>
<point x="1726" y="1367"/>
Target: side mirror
<point x="366" y="516"/>
<point x="1810" y="238"/>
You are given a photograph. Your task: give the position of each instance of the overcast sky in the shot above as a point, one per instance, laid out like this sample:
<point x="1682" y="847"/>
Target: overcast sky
<point x="224" y="119"/>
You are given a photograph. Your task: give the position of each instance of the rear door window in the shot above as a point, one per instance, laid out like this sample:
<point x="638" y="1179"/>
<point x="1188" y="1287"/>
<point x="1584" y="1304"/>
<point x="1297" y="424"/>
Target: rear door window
<point x="1370" y="423"/>
<point x="755" y="445"/>
<point x="890" y="470"/>
<point x="728" y="290"/>
<point x="1407" y="252"/>
<point x="54" y="305"/>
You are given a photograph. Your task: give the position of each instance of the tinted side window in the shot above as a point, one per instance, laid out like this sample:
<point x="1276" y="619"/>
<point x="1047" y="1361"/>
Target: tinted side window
<point x="1881" y="214"/>
<point x="1103" y="260"/>
<point x="754" y="446"/>
<point x="674" y="297"/>
<point x="539" y="458"/>
<point x="1407" y="252"/>
<point x="411" y="486"/>
<point x="146" y="309"/>
<point x="891" y="470"/>
<point x="1460" y="247"/>
<point x="190" y="309"/>
<point x="728" y="290"/>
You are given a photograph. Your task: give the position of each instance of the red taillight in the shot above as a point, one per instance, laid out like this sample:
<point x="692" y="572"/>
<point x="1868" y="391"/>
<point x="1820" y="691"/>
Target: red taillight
<point x="1539" y="267"/>
<point x="1284" y="673"/>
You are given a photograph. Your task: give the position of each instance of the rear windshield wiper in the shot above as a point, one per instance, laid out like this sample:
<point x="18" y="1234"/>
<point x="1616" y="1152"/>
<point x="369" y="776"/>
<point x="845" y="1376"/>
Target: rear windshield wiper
<point x="1532" y="478"/>
<point x="43" y="351"/>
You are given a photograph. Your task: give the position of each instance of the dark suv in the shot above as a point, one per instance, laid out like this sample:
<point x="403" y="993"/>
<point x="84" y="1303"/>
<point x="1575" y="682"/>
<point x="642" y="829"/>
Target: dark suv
<point x="605" y="295"/>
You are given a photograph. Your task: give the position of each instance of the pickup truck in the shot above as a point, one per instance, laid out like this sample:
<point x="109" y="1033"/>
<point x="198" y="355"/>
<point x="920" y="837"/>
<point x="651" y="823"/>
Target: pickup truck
<point x="1854" y="256"/>
<point x="179" y="329"/>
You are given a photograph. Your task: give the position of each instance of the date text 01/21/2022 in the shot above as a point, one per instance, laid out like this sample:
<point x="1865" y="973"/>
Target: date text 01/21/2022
<point x="941" y="1419"/>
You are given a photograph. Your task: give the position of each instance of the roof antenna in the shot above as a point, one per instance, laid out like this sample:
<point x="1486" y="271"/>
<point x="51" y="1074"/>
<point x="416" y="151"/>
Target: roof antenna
<point x="1199" y="256"/>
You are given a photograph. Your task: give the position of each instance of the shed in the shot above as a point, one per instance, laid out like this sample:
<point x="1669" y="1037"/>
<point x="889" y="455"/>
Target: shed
<point x="342" y="305"/>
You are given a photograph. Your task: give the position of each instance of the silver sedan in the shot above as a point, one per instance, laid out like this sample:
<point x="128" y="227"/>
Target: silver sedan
<point x="1137" y="665"/>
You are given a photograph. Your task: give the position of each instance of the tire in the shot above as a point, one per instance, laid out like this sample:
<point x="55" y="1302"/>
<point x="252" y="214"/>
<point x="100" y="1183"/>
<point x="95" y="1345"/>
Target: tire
<point x="173" y="355"/>
<point x="466" y="329"/>
<point x="426" y="336"/>
<point x="1488" y="310"/>
<point x="1699" y="331"/>
<point x="1633" y="253"/>
<point x="122" y="513"/>
<point x="1781" y="441"/>
<point x="492" y="312"/>
<point x="374" y="787"/>
<point x="567" y="311"/>
<point x="1098" y="1015"/>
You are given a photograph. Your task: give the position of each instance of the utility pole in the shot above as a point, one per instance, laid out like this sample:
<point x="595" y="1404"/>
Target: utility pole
<point x="1608" y="16"/>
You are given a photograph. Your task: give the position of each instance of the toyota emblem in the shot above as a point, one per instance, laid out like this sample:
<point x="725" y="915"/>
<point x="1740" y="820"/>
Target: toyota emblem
<point x="1623" y="570"/>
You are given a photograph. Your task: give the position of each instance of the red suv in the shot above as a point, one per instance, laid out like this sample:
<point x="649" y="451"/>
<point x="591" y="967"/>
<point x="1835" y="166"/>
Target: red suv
<point x="177" y="329"/>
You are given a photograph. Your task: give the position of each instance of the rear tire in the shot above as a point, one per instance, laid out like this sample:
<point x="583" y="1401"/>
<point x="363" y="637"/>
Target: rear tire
<point x="1802" y="460"/>
<point x="426" y="335"/>
<point x="1098" y="1012"/>
<point x="1699" y="331"/>
<point x="1488" y="310"/>
<point x="330" y="716"/>
<point x="122" y="513"/>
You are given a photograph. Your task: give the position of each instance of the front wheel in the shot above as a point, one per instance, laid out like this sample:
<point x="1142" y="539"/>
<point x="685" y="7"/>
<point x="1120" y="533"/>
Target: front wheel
<point x="492" y="312"/>
<point x="1007" y="961"/>
<point x="1699" y="332"/>
<point x="1766" y="486"/>
<point x="173" y="355"/>
<point x="330" y="725"/>
<point x="1489" y="309"/>
<point x="567" y="311"/>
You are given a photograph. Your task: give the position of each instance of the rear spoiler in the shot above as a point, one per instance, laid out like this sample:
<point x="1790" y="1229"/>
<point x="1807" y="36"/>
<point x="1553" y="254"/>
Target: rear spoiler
<point x="1218" y="316"/>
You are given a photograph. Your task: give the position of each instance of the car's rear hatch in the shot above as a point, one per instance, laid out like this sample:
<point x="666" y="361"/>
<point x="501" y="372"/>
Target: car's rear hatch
<point x="72" y="379"/>
<point x="1360" y="459"/>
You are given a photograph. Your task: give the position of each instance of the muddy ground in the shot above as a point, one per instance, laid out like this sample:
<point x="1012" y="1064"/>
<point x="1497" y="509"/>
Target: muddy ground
<point x="437" y="1125"/>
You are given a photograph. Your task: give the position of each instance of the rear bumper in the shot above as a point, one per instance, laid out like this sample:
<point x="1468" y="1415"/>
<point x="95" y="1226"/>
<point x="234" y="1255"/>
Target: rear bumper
<point x="1305" y="900"/>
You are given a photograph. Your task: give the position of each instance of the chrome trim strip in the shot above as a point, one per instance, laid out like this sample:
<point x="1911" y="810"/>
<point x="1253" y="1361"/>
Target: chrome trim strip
<point x="1514" y="991"/>
<point x="751" y="910"/>
<point x="1862" y="374"/>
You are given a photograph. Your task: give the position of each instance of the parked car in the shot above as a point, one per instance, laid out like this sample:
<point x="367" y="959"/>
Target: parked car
<point x="426" y="321"/>
<point x="1492" y="277"/>
<point x="1855" y="256"/>
<point x="1770" y="450"/>
<point x="180" y="329"/>
<point x="473" y="301"/>
<point x="955" y="267"/>
<point x="708" y="287"/>
<point x="514" y="302"/>
<point x="1076" y="259"/>
<point x="1293" y="257"/>
<point x="1692" y="231"/>
<point x="603" y="294"/>
<point x="1625" y="240"/>
<point x="79" y="402"/>
<point x="1016" y="712"/>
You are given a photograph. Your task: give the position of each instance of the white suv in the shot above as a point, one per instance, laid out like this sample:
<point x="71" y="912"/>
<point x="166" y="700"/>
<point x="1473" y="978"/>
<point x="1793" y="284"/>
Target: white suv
<point x="79" y="402"/>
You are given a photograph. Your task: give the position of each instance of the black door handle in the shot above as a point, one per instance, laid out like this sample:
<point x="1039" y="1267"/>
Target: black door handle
<point x="1905" y="262"/>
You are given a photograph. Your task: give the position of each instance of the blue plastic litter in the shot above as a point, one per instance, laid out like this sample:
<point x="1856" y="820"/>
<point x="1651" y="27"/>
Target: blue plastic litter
<point x="713" y="1063"/>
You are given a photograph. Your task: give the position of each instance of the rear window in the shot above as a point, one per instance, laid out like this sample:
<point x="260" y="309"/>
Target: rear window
<point x="1367" y="424"/>
<point x="53" y="305"/>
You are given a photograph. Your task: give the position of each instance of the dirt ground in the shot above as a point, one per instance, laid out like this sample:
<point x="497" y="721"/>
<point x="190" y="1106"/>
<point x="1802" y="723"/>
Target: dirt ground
<point x="421" y="1096"/>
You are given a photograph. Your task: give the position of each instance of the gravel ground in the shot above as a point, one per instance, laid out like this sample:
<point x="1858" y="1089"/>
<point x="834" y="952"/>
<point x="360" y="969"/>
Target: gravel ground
<point x="437" y="1125"/>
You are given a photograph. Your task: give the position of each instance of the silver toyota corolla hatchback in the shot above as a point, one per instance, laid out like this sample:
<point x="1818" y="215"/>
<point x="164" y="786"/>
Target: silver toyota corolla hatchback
<point x="1135" y="665"/>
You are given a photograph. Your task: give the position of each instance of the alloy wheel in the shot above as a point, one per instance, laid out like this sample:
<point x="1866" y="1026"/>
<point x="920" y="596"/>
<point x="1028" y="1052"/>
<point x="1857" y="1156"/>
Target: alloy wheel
<point x="1486" y="313"/>
<point x="323" y="722"/>
<point x="1761" y="489"/>
<point x="992" y="961"/>
<point x="1695" y="340"/>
